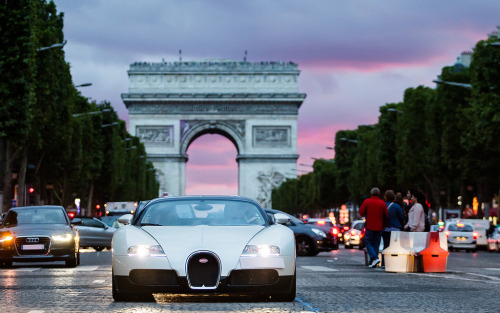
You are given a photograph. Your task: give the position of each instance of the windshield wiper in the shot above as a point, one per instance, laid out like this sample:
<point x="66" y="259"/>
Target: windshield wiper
<point x="151" y="224"/>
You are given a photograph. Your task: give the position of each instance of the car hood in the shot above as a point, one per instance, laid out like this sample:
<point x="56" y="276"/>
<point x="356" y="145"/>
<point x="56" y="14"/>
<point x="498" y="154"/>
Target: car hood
<point x="37" y="229"/>
<point x="179" y="242"/>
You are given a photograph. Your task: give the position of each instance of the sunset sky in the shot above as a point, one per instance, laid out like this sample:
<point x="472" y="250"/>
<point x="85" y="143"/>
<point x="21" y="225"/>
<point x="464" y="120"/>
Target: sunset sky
<point x="354" y="56"/>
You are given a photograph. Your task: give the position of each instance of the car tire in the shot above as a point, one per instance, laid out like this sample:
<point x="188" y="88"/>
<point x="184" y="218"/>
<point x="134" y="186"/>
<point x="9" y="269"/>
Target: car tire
<point x="287" y="295"/>
<point x="346" y="246"/>
<point x="78" y="258"/>
<point x="473" y="250"/>
<point x="98" y="249"/>
<point x="128" y="297"/>
<point x="305" y="247"/>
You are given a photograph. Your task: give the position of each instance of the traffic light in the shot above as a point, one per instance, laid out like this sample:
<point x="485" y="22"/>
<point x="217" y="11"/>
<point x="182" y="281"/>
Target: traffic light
<point x="31" y="190"/>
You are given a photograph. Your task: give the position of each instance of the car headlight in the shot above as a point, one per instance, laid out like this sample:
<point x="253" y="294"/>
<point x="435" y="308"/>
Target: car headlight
<point x="62" y="237"/>
<point x="319" y="232"/>
<point x="146" y="250"/>
<point x="261" y="250"/>
<point x="6" y="239"/>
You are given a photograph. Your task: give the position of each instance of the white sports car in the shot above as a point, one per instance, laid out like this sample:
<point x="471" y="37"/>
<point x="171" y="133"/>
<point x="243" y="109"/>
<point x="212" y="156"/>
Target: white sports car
<point x="203" y="244"/>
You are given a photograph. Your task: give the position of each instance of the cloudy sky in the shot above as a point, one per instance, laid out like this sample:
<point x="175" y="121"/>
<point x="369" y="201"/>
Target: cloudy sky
<point x="354" y="56"/>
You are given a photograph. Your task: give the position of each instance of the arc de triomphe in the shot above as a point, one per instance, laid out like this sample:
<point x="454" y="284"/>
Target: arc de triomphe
<point x="253" y="104"/>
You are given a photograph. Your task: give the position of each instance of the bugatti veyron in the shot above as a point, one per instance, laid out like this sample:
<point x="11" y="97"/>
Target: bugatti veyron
<point x="203" y="244"/>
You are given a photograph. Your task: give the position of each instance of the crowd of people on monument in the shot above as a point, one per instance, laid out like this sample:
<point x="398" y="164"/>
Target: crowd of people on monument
<point x="393" y="214"/>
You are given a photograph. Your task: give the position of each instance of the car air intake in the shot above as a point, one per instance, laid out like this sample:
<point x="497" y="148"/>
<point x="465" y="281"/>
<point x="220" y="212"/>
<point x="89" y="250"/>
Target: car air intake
<point x="203" y="270"/>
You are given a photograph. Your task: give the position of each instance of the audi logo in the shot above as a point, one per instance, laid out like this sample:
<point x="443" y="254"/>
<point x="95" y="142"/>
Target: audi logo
<point x="203" y="261"/>
<point x="32" y="240"/>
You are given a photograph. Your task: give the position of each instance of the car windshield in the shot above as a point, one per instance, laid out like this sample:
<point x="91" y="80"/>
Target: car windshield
<point x="460" y="227"/>
<point x="109" y="220"/>
<point x="34" y="216"/>
<point x="202" y="212"/>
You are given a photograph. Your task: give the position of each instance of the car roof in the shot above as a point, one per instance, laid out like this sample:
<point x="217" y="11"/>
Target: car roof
<point x="38" y="207"/>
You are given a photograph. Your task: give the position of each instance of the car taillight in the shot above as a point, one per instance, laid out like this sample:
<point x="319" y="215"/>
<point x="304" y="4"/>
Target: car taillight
<point x="474" y="235"/>
<point x="346" y="227"/>
<point x="353" y="233"/>
<point x="321" y="223"/>
<point x="447" y="234"/>
<point x="335" y="231"/>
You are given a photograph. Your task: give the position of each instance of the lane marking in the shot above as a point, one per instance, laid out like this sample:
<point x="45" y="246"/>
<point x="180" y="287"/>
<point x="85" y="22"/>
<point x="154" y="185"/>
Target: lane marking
<point x="307" y="305"/>
<point x="27" y="269"/>
<point x="319" y="268"/>
<point x="36" y="311"/>
<point x="86" y="268"/>
<point x="98" y="281"/>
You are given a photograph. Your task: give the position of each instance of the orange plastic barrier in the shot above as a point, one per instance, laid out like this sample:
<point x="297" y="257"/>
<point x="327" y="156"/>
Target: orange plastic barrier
<point x="434" y="258"/>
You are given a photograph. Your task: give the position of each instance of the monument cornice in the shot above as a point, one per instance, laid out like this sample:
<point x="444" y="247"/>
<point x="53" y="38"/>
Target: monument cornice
<point x="215" y="96"/>
<point x="213" y="67"/>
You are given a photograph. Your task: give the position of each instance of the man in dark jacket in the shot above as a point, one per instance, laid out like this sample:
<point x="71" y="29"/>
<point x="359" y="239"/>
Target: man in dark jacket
<point x="375" y="211"/>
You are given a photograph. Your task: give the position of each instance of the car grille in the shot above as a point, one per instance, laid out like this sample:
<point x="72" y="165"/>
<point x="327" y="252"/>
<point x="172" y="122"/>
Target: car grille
<point x="203" y="270"/>
<point x="253" y="277"/>
<point x="153" y="277"/>
<point x="23" y="243"/>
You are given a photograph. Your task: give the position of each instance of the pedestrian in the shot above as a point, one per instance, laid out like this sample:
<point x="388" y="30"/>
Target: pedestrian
<point x="395" y="219"/>
<point x="404" y="206"/>
<point x="375" y="212"/>
<point x="416" y="215"/>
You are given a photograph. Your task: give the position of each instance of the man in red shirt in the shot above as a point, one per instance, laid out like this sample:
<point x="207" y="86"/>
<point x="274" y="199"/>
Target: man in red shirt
<point x="375" y="212"/>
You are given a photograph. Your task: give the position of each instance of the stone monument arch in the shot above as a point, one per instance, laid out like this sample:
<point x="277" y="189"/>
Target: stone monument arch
<point x="253" y="104"/>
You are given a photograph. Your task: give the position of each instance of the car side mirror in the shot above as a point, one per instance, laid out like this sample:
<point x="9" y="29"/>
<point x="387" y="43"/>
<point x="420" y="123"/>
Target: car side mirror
<point x="125" y="219"/>
<point x="281" y="218"/>
<point x="76" y="221"/>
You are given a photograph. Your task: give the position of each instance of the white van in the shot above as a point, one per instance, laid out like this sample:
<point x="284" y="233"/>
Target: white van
<point x="480" y="227"/>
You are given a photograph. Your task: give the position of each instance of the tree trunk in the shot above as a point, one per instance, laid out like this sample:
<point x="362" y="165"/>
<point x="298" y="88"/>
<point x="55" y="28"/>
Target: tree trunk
<point x="21" y="188"/>
<point x="8" y="194"/>
<point x="89" y="200"/>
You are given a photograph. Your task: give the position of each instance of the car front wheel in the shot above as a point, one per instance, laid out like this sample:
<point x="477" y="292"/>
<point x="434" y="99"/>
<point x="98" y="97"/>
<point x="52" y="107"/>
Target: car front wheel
<point x="305" y="247"/>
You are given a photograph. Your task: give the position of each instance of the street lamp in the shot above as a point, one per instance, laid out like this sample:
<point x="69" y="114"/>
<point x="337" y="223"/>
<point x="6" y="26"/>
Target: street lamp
<point x="349" y="140"/>
<point x="463" y="85"/>
<point x="91" y="113"/>
<point x="84" y="85"/>
<point x="394" y="110"/>
<point x="56" y="45"/>
<point x="109" y="125"/>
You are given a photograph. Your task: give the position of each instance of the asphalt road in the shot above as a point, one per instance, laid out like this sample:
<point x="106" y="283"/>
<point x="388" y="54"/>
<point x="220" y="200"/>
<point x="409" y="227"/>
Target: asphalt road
<point x="330" y="282"/>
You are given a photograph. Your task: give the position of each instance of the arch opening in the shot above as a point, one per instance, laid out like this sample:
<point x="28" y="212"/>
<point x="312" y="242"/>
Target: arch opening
<point x="212" y="167"/>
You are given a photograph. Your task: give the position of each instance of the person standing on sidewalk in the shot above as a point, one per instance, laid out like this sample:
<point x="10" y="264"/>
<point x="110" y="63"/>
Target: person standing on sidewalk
<point x="416" y="215"/>
<point x="375" y="211"/>
<point x="396" y="218"/>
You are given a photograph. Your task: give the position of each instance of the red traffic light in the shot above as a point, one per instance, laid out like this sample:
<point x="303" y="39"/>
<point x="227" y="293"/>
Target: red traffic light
<point x="98" y="206"/>
<point x="31" y="190"/>
<point x="71" y="214"/>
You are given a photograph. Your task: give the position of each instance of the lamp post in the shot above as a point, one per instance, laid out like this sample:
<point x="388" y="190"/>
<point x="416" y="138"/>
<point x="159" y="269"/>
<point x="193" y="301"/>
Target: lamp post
<point x="84" y="85"/>
<point x="463" y="85"/>
<point x="348" y="140"/>
<point x="109" y="125"/>
<point x="56" y="45"/>
<point x="394" y="110"/>
<point x="323" y="160"/>
<point x="91" y="113"/>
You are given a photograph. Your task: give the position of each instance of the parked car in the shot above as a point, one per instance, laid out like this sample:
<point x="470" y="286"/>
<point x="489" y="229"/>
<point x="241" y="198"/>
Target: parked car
<point x="38" y="234"/>
<point x="310" y="240"/>
<point x="111" y="221"/>
<point x="354" y="236"/>
<point x="95" y="233"/>
<point x="460" y="236"/>
<point x="203" y="244"/>
<point x="330" y="229"/>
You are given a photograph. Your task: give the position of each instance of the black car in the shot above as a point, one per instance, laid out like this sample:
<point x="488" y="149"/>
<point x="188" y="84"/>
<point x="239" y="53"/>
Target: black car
<point x="310" y="240"/>
<point x="331" y="231"/>
<point x="38" y="234"/>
